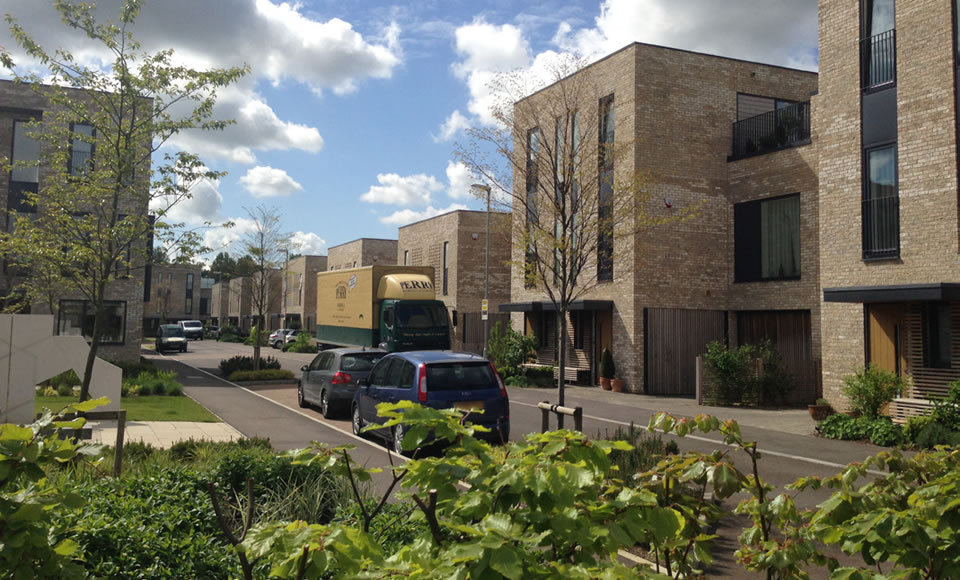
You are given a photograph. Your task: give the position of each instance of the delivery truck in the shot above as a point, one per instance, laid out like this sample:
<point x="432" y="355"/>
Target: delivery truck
<point x="390" y="307"/>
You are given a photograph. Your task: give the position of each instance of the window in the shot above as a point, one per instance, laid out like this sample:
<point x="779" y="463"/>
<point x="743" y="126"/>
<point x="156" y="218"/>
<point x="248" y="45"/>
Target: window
<point x="354" y="263"/>
<point x="188" y="299"/>
<point x="188" y="306"/>
<point x="579" y="320"/>
<point x="767" y="239"/>
<point x="81" y="148"/>
<point x="936" y="335"/>
<point x="446" y="265"/>
<point x="75" y="318"/>
<point x="26" y="154"/>
<point x="881" y="204"/>
<point x="878" y="47"/>
<point x="533" y="218"/>
<point x="204" y="306"/>
<point x="605" y="190"/>
<point x="406" y="257"/>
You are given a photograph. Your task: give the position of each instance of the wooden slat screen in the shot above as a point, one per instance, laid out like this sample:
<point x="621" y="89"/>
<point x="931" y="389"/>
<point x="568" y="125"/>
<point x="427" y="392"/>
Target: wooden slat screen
<point x="930" y="383"/>
<point x="675" y="338"/>
<point x="790" y="333"/>
<point x="471" y="329"/>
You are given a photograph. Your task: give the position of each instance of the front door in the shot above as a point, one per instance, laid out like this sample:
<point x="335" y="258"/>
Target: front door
<point x="886" y="327"/>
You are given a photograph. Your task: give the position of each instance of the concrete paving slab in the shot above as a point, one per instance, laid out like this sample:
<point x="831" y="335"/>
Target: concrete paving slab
<point x="162" y="434"/>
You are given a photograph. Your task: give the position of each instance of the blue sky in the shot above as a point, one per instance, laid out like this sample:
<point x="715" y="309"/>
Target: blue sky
<point x="348" y="120"/>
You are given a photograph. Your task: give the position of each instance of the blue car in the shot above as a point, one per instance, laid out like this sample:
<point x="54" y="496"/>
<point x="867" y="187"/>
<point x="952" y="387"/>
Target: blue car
<point x="437" y="379"/>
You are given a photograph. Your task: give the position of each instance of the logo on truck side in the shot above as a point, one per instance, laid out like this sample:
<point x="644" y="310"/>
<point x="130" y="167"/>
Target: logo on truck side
<point x="416" y="285"/>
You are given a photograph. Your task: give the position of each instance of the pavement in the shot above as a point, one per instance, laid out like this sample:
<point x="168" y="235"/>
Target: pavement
<point x="162" y="434"/>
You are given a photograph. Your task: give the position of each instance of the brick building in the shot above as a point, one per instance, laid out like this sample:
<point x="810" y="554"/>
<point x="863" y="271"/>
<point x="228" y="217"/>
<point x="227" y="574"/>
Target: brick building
<point x="174" y="295"/>
<point x="220" y="302"/>
<point x="298" y="304"/>
<point x="728" y="137"/>
<point x="887" y="119"/>
<point x="362" y="252"/>
<point x="454" y="244"/>
<point x="20" y="105"/>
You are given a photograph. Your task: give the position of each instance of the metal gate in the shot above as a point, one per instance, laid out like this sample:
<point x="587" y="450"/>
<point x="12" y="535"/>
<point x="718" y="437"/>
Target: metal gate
<point x="674" y="339"/>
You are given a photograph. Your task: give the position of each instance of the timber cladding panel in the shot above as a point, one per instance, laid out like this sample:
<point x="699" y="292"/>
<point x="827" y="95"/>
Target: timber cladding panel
<point x="676" y="338"/>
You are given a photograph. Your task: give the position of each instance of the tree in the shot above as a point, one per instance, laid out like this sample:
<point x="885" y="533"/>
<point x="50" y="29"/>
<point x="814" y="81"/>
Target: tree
<point x="267" y="246"/>
<point x="573" y="188"/>
<point x="91" y="216"/>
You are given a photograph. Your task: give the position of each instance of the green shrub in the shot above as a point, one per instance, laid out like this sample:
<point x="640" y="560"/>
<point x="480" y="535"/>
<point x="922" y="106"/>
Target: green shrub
<point x="175" y="390"/>
<point x="946" y="411"/>
<point x="50" y="392"/>
<point x="155" y="382"/>
<point x="933" y="433"/>
<point x="608" y="369"/>
<point x="245" y="363"/>
<point x="885" y="433"/>
<point x="124" y="389"/>
<point x="137" y="451"/>
<point x="133" y="369"/>
<point x="230" y="337"/>
<point x="509" y="349"/>
<point x="301" y="344"/>
<point x="67" y="377"/>
<point x="914" y="426"/>
<point x="64" y="390"/>
<point x="842" y="426"/>
<point x="870" y="388"/>
<point x="391" y="528"/>
<point x="517" y="381"/>
<point x="648" y="450"/>
<point x="261" y="375"/>
<point x="256" y="334"/>
<point x="146" y="389"/>
<point x="748" y="374"/>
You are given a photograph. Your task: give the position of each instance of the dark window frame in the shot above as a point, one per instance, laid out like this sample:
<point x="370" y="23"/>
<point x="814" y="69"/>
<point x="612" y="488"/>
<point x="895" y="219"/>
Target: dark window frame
<point x="936" y="318"/>
<point x="84" y="315"/>
<point x="748" y="240"/>
<point x="72" y="165"/>
<point x="872" y="254"/>
<point x="867" y="49"/>
<point x="531" y="177"/>
<point x="446" y="267"/>
<point x="606" y="139"/>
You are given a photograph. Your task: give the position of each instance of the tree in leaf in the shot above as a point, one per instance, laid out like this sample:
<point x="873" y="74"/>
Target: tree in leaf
<point x="97" y="137"/>
<point x="555" y="160"/>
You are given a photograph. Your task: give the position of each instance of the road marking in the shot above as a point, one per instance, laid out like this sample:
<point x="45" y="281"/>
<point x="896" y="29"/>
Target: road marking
<point x="302" y="414"/>
<point x="194" y="377"/>
<point x="715" y="442"/>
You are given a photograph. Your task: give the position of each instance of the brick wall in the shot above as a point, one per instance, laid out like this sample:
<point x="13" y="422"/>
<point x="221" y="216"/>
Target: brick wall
<point x="364" y="251"/>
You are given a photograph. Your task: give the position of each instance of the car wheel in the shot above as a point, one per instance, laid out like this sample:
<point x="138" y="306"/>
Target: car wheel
<point x="398" y="432"/>
<point x="300" y="400"/>
<point x="357" y="422"/>
<point x="184" y="349"/>
<point x="324" y="404"/>
<point x="276" y="344"/>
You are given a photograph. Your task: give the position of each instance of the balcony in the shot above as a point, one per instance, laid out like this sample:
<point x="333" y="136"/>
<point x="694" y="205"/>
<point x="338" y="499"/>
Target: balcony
<point x="778" y="129"/>
<point x="878" y="61"/>
<point x="881" y="228"/>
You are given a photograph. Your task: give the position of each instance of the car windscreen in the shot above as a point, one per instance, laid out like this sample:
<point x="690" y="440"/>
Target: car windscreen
<point x="460" y="376"/>
<point x="172" y="331"/>
<point x="421" y="315"/>
<point x="359" y="362"/>
<point x="192" y="324"/>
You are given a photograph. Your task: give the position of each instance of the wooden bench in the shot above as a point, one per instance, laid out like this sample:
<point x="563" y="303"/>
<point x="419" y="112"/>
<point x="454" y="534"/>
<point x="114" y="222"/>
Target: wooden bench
<point x="901" y="410"/>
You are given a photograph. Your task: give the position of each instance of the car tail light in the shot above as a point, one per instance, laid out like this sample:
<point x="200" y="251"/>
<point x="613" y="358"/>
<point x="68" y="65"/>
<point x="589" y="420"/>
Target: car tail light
<point x="422" y="384"/>
<point x="341" y="378"/>
<point x="503" y="388"/>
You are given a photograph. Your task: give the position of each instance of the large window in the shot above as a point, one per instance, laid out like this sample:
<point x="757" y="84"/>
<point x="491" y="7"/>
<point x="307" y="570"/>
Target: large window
<point x="26" y="154"/>
<point x="881" y="204"/>
<point x="81" y="149"/>
<point x="446" y="267"/>
<point x="936" y="335"/>
<point x="878" y="47"/>
<point x="75" y="318"/>
<point x="605" y="191"/>
<point x="767" y="239"/>
<point x="533" y="217"/>
<point x="188" y="298"/>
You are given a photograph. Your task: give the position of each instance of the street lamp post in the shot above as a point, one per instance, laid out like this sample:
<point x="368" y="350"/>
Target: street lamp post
<point x="486" y="270"/>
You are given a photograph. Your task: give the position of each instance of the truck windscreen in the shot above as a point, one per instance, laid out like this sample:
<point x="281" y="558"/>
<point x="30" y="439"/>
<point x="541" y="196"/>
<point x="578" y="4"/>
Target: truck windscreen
<point x="421" y="315"/>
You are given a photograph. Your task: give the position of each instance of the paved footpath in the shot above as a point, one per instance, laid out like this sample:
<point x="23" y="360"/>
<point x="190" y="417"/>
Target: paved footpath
<point x="162" y="434"/>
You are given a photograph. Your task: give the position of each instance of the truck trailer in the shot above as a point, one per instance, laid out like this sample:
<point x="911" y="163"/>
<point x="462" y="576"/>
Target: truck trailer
<point x="389" y="307"/>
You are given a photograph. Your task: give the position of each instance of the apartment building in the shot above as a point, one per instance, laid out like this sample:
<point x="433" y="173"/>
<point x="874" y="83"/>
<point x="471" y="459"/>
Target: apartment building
<point x="727" y="137"/>
<point x="887" y="119"/>
<point x="238" y="295"/>
<point x="362" y="252"/>
<point x="220" y="302"/>
<point x="455" y="245"/>
<point x="124" y="307"/>
<point x="298" y="303"/>
<point x="174" y="294"/>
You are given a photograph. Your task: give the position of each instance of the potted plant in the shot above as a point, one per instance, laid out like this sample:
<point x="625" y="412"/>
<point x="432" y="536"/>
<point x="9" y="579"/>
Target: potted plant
<point x="820" y="410"/>
<point x="607" y="369"/>
<point x="617" y="384"/>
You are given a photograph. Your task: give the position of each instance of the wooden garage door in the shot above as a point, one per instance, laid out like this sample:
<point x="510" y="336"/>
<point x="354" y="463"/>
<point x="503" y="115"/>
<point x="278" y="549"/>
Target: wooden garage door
<point x="674" y="339"/>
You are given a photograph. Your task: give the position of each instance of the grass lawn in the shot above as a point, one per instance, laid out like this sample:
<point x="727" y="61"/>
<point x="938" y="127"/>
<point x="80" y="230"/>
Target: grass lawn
<point x="151" y="408"/>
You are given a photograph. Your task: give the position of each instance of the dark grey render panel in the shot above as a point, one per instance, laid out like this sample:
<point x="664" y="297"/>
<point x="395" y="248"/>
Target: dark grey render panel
<point x="880" y="117"/>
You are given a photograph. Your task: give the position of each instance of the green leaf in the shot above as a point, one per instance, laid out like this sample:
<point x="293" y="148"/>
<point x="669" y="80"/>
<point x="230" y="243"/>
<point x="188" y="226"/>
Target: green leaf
<point x="11" y="432"/>
<point x="505" y="561"/>
<point x="67" y="548"/>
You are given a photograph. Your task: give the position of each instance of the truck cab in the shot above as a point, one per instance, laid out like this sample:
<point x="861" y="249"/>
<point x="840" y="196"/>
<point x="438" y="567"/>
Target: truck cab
<point x="414" y="325"/>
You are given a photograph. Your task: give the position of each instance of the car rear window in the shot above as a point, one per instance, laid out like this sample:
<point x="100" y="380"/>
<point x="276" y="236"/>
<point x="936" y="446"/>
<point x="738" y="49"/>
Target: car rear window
<point x="460" y="376"/>
<point x="360" y="362"/>
<point x="172" y="330"/>
<point x="192" y="324"/>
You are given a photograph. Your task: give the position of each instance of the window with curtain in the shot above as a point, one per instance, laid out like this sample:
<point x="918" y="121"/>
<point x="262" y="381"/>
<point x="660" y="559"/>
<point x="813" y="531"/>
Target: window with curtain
<point x="881" y="204"/>
<point x="767" y="239"/>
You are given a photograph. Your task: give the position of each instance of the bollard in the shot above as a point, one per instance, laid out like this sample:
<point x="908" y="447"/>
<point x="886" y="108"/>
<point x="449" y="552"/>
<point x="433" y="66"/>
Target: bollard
<point x="545" y="416"/>
<point x="118" y="451"/>
<point x="546" y="408"/>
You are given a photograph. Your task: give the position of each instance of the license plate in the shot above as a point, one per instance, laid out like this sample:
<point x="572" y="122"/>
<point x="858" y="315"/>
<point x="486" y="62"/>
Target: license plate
<point x="468" y="405"/>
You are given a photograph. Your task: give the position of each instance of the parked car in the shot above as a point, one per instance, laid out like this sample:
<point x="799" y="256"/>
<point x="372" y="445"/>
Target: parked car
<point x="213" y="332"/>
<point x="282" y="336"/>
<point x="437" y="379"/>
<point x="330" y="380"/>
<point x="171" y="337"/>
<point x="192" y="329"/>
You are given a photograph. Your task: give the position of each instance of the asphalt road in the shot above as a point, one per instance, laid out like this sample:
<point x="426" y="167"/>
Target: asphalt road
<point x="272" y="412"/>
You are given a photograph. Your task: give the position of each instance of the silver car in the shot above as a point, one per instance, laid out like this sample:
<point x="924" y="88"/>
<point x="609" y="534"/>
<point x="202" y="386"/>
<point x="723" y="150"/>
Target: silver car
<point x="330" y="380"/>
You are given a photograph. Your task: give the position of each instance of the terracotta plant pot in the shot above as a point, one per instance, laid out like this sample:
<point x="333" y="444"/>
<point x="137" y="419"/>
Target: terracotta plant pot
<point x="617" y="385"/>
<point x="605" y="383"/>
<point x="819" y="412"/>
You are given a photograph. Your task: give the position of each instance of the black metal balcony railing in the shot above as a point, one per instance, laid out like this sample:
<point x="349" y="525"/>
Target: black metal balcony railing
<point x="878" y="60"/>
<point x="881" y="227"/>
<point x="778" y="129"/>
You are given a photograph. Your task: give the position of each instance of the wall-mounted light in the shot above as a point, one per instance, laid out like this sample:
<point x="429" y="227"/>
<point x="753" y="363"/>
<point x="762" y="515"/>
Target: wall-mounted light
<point x="475" y="236"/>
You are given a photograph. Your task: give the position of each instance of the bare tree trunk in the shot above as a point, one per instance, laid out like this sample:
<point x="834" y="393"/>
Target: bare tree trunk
<point x="256" y="341"/>
<point x="561" y="360"/>
<point x="94" y="342"/>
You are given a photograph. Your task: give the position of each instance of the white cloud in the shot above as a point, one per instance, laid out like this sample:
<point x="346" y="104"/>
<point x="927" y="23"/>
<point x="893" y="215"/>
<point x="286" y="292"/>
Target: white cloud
<point x="460" y="179"/>
<point x="229" y="239"/>
<point x="202" y="206"/>
<point x="308" y="243"/>
<point x="455" y="123"/>
<point x="402" y="190"/>
<point x="408" y="216"/>
<point x="320" y="54"/>
<point x="264" y="181"/>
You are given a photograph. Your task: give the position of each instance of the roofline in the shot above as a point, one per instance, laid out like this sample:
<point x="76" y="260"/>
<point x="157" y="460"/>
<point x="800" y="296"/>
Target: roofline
<point x="360" y="240"/>
<point x="493" y="212"/>
<point x="659" y="46"/>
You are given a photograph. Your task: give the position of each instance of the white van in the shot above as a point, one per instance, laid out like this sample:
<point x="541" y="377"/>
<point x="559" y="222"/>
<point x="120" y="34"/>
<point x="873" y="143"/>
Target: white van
<point x="192" y="328"/>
